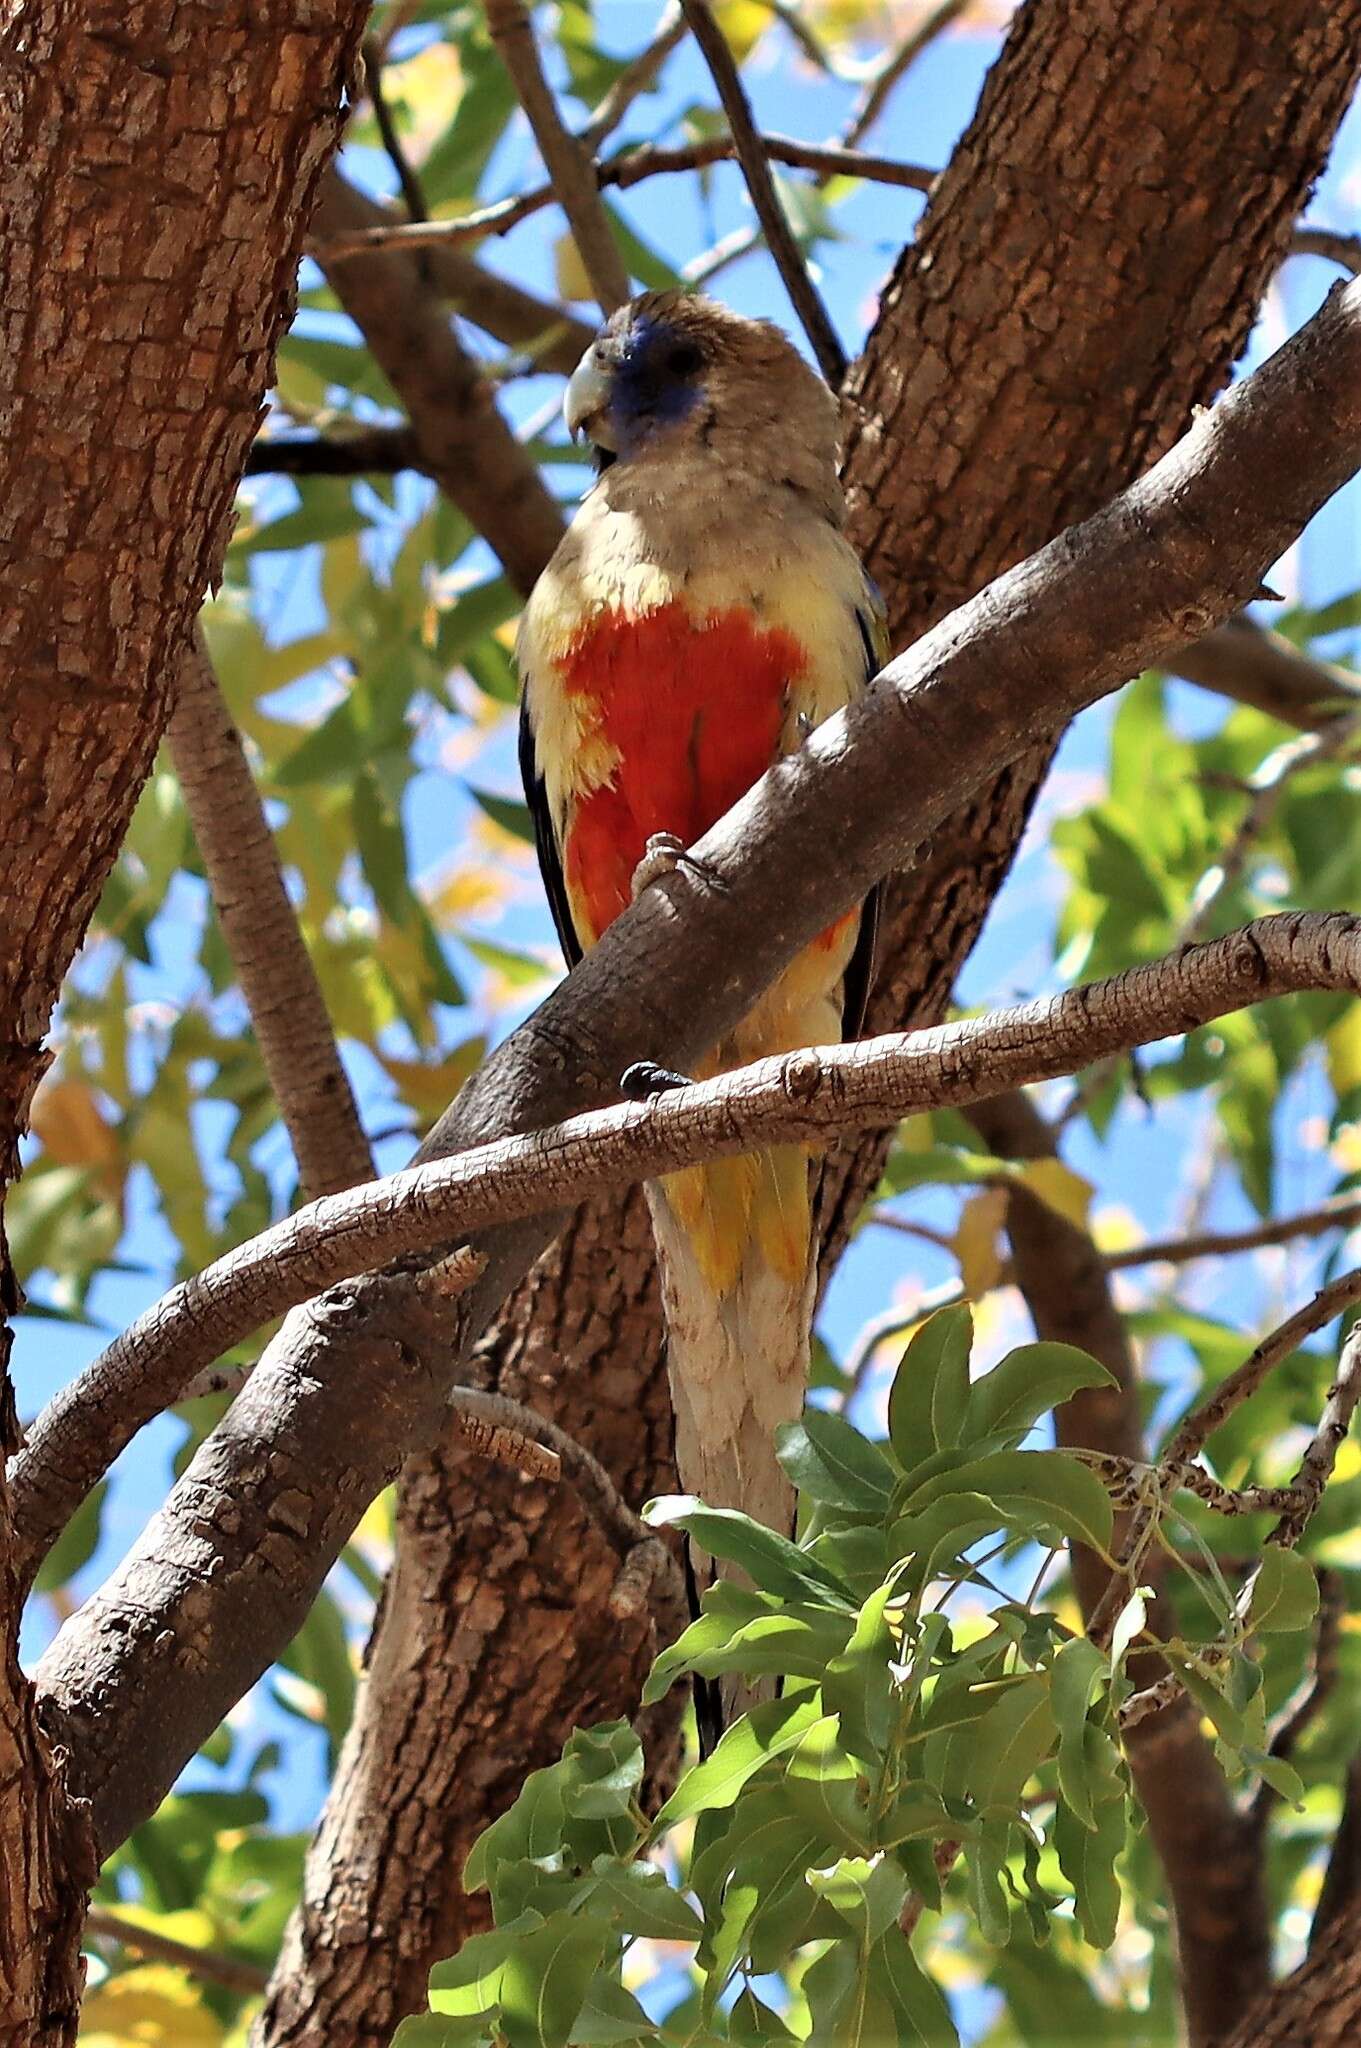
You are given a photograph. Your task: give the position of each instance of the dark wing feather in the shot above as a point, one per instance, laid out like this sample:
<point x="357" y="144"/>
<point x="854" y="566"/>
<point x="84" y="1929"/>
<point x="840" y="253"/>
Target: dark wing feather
<point x="546" y="841"/>
<point x="855" y="988"/>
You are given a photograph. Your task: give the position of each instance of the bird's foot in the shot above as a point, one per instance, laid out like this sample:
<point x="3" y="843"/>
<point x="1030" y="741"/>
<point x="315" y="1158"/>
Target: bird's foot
<point x="645" y="1079"/>
<point x="662" y="855"/>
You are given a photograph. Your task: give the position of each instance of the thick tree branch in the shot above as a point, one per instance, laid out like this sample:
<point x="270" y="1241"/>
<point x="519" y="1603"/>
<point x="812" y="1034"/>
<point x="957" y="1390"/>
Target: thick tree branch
<point x="803" y="293"/>
<point x="1179" y="549"/>
<point x="808" y="1097"/>
<point x="566" y="159"/>
<point x="1242" y="661"/>
<point x="278" y="981"/>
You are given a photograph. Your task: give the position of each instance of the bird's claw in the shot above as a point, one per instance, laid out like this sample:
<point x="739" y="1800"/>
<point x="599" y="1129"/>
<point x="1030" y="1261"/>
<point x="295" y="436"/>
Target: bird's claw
<point x="662" y="855"/>
<point x="645" y="1079"/>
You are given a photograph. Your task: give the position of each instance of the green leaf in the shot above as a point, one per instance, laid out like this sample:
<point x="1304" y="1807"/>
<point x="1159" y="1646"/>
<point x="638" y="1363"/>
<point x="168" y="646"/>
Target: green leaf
<point x="922" y="2014"/>
<point x="642" y="1902"/>
<point x="545" y="1978"/>
<point x="530" y="1829"/>
<point x="1284" y="1593"/>
<point x="1026" y="1384"/>
<point x="1087" y="1859"/>
<point x="1008" y="1746"/>
<point x="1033" y="1489"/>
<point x="767" y="1731"/>
<point x="774" y="1563"/>
<point x="1078" y="1668"/>
<point x="76" y="1544"/>
<point x="506" y="811"/>
<point x="867" y="1894"/>
<point x="470" y="1982"/>
<point x="858" y="1684"/>
<point x="602" y="1771"/>
<point x="822" y="1784"/>
<point x="831" y="1462"/>
<point x="930" y="1391"/>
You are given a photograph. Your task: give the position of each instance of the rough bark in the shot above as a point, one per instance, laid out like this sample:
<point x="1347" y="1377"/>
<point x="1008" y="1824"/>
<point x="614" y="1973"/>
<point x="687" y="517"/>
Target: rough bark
<point x="1319" y="2006"/>
<point x="156" y="168"/>
<point x="1068" y="301"/>
<point x="1208" y="1845"/>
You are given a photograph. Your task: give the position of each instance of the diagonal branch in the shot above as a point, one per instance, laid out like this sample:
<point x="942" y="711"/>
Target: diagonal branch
<point x="1243" y="661"/>
<point x="269" y="1497"/>
<point x="278" y="981"/>
<point x="807" y="1097"/>
<point x="803" y="293"/>
<point x="566" y="158"/>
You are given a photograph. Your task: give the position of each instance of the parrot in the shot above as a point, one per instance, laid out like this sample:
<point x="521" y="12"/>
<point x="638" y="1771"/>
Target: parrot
<point x="703" y="612"/>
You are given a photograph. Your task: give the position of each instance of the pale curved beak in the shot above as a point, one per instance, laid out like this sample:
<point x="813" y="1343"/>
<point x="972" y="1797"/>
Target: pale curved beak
<point x="587" y="403"/>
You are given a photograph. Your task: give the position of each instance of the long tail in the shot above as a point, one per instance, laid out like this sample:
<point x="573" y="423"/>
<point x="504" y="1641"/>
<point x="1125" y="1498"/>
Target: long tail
<point x="735" y="1239"/>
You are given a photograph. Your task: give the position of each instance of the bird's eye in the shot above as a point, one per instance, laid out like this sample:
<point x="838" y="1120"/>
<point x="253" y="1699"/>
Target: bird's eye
<point x="684" y="359"/>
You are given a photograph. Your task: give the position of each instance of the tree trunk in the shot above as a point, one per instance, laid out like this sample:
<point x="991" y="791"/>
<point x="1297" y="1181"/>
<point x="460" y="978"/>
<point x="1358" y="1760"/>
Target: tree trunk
<point x="1319" y="2006"/>
<point x="157" y="164"/>
<point x="1089" y="267"/>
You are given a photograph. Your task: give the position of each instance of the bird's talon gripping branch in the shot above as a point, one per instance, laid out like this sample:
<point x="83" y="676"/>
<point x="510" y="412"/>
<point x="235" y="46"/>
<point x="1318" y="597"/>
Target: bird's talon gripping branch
<point x="643" y="1080"/>
<point x="662" y="855"/>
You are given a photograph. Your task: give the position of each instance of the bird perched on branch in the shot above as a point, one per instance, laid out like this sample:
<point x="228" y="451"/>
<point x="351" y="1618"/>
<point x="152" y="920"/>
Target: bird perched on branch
<point x="702" y="614"/>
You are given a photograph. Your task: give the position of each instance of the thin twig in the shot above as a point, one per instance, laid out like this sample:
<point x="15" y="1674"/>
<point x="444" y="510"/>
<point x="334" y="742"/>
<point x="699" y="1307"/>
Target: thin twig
<point x="1339" y="1214"/>
<point x="803" y="293"/>
<point x="632" y="166"/>
<point x="1344" y="250"/>
<point x="644" y="1558"/>
<point x="566" y="160"/>
<point x="501" y="1437"/>
<point x="1310" y="1480"/>
<point x="1243" y="661"/>
<point x="635" y="78"/>
<point x="1189" y="1439"/>
<point x="412" y="195"/>
<point x="213" y="1965"/>
<point x="1316" y="1466"/>
<point x="1266" y="788"/>
<point x="1128" y="1480"/>
<point x="1195" y="1430"/>
<point x="873" y="99"/>
<point x="794" y="1098"/>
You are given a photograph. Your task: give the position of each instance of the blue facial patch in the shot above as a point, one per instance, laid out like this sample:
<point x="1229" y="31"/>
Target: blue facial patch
<point x="656" y="381"/>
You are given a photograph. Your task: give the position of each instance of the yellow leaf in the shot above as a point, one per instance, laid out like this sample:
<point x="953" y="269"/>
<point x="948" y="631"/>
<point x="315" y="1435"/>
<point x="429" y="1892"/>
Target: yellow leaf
<point x="1343" y="1046"/>
<point x="1059" y="1188"/>
<point x="743" y="23"/>
<point x="428" y="85"/>
<point x="976" y="1240"/>
<point x="429" y="1086"/>
<point x="153" y="2007"/>
<point x="569" y="271"/>
<point x="468" y="888"/>
<point x="66" y="1117"/>
<point x="1346" y="1148"/>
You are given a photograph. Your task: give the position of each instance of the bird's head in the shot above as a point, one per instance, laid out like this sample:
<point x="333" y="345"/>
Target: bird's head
<point x="674" y="370"/>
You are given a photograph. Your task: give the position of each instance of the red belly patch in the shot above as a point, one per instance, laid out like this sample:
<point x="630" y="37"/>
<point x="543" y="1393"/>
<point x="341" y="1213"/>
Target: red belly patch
<point x="694" y="704"/>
